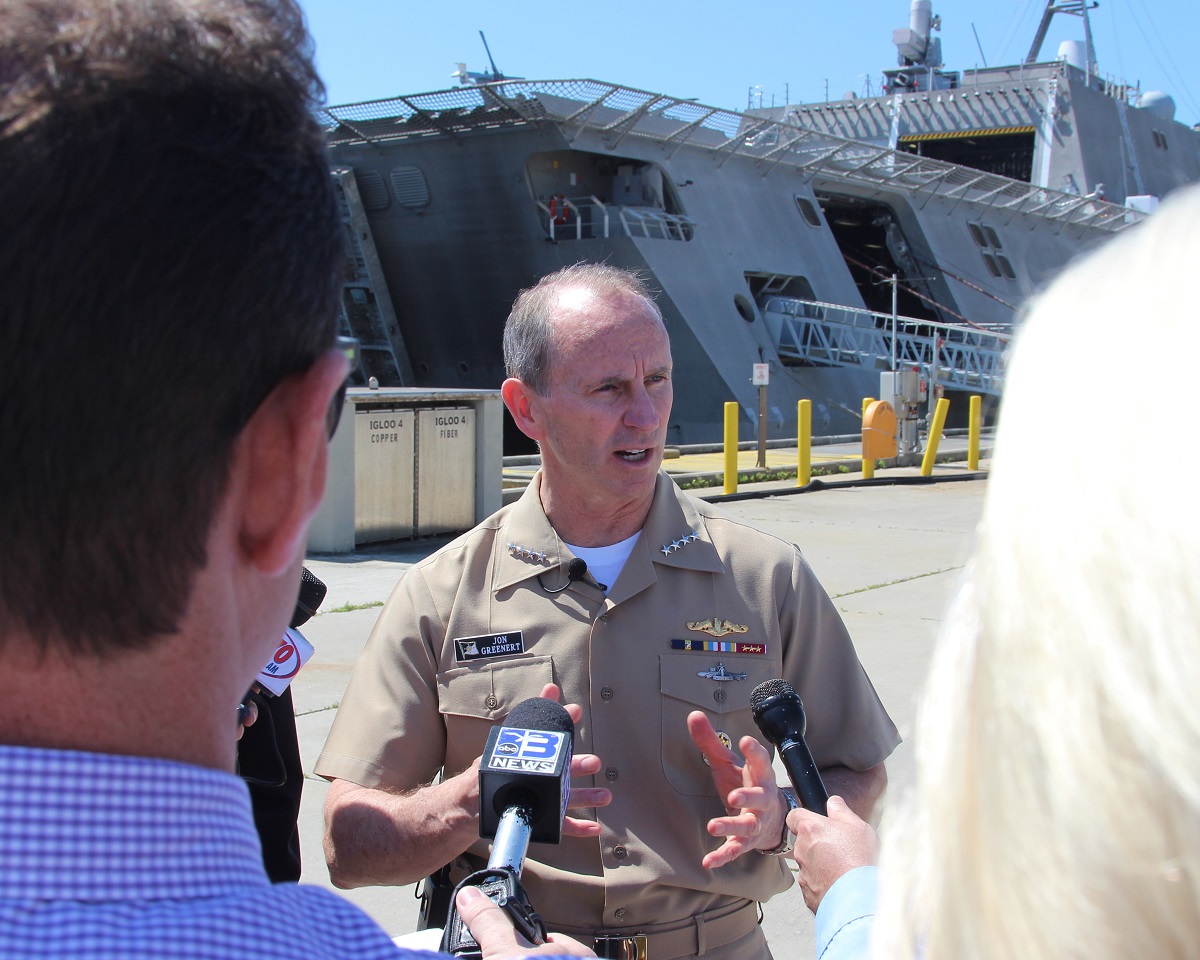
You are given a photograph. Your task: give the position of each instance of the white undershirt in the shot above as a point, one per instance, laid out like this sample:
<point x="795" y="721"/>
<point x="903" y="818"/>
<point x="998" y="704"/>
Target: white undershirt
<point x="605" y="563"/>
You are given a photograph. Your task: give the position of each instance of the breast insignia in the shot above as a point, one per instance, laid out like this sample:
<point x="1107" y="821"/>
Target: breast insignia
<point x="720" y="673"/>
<point x="716" y="627"/>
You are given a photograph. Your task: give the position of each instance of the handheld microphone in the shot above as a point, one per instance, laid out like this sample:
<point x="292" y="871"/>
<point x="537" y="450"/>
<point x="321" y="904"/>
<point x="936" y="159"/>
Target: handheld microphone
<point x="524" y="785"/>
<point x="576" y="570"/>
<point x="777" y="710"/>
<point x="293" y="651"/>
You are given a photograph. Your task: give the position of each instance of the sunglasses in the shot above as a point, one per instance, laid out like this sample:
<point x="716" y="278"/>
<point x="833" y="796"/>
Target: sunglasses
<point x="349" y="348"/>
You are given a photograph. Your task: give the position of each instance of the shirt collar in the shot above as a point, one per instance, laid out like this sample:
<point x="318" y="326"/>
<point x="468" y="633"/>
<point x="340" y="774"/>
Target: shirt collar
<point x="673" y="535"/>
<point x="101" y="827"/>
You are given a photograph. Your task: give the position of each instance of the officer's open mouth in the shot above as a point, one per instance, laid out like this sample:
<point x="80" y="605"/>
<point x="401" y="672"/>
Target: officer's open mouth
<point x="632" y="456"/>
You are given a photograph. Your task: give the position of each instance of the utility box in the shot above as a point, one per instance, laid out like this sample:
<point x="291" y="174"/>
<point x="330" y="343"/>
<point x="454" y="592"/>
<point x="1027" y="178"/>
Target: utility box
<point x="409" y="462"/>
<point x="384" y="450"/>
<point x="445" y="470"/>
<point x="904" y="390"/>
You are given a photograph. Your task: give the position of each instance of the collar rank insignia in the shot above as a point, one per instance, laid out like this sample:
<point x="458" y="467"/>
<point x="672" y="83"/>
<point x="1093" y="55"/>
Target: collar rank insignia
<point x="716" y="627"/>
<point x="720" y="673"/>
<point x="669" y="548"/>
<point x="524" y="553"/>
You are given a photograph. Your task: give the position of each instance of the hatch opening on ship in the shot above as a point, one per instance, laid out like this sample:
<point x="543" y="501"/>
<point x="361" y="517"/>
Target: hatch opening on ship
<point x="581" y="195"/>
<point x="874" y="247"/>
<point x="1008" y="154"/>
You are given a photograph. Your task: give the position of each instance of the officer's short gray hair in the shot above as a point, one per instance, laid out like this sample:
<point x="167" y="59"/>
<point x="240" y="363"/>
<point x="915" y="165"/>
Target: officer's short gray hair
<point x="527" y="332"/>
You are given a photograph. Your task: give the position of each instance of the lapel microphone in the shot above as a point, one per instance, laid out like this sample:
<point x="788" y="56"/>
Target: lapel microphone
<point x="576" y="570"/>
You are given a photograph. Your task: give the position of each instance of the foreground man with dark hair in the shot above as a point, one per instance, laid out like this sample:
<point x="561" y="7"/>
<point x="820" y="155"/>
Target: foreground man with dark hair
<point x="170" y="266"/>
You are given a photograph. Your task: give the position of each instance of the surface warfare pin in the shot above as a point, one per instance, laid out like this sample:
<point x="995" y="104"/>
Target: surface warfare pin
<point x="720" y="673"/>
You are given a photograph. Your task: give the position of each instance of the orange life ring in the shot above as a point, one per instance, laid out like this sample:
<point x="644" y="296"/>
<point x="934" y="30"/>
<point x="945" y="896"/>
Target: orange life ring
<point x="556" y="215"/>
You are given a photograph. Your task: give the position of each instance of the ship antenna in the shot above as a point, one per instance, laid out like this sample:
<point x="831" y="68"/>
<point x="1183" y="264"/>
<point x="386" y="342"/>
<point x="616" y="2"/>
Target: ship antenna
<point x="496" y="74"/>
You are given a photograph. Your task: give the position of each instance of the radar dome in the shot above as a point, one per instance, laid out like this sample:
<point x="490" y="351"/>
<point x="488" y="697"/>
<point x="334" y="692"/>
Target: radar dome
<point x="1161" y="105"/>
<point x="1074" y="52"/>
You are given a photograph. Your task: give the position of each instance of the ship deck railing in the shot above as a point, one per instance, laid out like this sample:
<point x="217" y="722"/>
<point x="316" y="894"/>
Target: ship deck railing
<point x="957" y="356"/>
<point x="579" y="218"/>
<point x="616" y="113"/>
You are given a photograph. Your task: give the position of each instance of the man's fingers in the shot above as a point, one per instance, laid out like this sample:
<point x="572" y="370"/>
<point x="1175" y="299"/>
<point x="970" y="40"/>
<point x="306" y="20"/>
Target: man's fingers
<point x="585" y="764"/>
<point x="552" y="691"/>
<point x="487" y="923"/>
<point x="587" y="798"/>
<point x="574" y="827"/>
<point x="705" y="737"/>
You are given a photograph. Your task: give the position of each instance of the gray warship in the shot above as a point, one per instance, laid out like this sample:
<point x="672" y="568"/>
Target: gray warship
<point x="830" y="241"/>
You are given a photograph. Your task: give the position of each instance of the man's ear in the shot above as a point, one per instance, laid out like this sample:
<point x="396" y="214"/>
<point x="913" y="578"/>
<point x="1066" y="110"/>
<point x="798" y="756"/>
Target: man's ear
<point x="522" y="403"/>
<point x="280" y="463"/>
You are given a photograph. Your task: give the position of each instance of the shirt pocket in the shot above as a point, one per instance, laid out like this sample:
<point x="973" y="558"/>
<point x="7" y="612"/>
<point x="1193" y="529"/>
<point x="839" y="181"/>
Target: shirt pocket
<point x="474" y="698"/>
<point x="726" y="703"/>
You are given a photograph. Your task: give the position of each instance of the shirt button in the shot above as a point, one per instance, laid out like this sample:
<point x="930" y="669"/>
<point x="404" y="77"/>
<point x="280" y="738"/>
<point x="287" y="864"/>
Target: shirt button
<point x="610" y="773"/>
<point x="604" y="617"/>
<point x="491" y="703"/>
<point x="620" y="852"/>
<point x="621" y="913"/>
<point x="606" y="693"/>
<point x="719" y="696"/>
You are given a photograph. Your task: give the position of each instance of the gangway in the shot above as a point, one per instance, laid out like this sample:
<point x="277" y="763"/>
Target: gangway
<point x="969" y="358"/>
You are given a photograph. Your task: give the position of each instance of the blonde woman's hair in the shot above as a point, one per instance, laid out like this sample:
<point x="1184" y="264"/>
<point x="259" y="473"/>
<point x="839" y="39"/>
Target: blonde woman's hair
<point x="1057" y="809"/>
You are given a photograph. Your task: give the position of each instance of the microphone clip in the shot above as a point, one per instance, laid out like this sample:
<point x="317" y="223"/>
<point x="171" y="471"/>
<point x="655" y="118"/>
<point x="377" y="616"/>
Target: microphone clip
<point x="504" y="888"/>
<point x="576" y="570"/>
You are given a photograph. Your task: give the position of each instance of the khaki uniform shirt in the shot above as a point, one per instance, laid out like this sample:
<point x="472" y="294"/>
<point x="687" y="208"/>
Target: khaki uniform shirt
<point x="436" y="675"/>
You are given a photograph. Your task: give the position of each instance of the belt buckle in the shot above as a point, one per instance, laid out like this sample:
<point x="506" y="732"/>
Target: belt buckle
<point x="621" y="948"/>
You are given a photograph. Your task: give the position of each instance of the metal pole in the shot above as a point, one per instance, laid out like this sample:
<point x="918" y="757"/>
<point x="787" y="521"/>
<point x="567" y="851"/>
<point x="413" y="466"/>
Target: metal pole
<point x="731" y="447"/>
<point x="893" y="323"/>
<point x="762" y="428"/>
<point x="804" y="442"/>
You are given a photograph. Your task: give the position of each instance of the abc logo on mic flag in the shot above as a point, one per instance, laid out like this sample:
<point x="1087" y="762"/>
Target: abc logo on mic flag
<point x="528" y="751"/>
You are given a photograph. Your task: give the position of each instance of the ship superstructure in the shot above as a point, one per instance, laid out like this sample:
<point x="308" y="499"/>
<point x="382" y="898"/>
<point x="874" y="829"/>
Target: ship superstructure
<point x="829" y="241"/>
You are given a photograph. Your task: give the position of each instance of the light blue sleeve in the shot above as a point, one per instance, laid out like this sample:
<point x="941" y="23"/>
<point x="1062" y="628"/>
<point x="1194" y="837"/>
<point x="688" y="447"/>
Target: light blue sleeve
<point x="846" y="916"/>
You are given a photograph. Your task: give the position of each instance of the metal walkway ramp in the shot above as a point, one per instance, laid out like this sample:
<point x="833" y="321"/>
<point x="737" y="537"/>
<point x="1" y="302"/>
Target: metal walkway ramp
<point x="958" y="357"/>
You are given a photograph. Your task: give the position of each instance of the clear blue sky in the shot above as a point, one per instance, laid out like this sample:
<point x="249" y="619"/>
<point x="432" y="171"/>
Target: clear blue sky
<point x="718" y="52"/>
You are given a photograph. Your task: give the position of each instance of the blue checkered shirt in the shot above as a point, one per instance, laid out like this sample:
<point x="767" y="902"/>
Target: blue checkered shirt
<point x="128" y="857"/>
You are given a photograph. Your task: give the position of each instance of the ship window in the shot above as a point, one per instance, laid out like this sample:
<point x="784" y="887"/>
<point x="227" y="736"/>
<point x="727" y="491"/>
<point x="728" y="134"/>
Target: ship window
<point x="993" y="240"/>
<point x="993" y="269"/>
<point x="410" y="186"/>
<point x="977" y="234"/>
<point x="808" y="212"/>
<point x="1005" y="266"/>
<point x="371" y="189"/>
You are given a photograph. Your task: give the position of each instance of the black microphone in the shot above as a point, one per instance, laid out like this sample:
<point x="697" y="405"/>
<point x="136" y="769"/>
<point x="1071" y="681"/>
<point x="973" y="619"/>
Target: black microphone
<point x="312" y="592"/>
<point x="777" y="710"/>
<point x="524" y="785"/>
<point x="524" y="779"/>
<point x="576" y="570"/>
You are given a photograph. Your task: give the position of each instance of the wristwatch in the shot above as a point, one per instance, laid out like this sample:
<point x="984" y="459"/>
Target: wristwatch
<point x="787" y="839"/>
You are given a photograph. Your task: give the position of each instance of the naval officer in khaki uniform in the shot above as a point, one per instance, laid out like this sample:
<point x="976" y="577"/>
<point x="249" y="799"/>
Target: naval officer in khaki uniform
<point x="681" y="611"/>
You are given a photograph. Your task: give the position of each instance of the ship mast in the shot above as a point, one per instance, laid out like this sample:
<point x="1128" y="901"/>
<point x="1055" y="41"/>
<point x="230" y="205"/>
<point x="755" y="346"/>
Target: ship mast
<point x="1078" y="8"/>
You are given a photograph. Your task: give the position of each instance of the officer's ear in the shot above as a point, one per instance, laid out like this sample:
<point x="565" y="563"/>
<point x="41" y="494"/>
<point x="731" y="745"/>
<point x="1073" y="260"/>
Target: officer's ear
<point x="523" y="404"/>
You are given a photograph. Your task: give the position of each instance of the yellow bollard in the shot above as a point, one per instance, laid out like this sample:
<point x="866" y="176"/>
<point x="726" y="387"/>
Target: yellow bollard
<point x="868" y="464"/>
<point x="935" y="437"/>
<point x="731" y="446"/>
<point x="974" y="428"/>
<point x="803" y="442"/>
